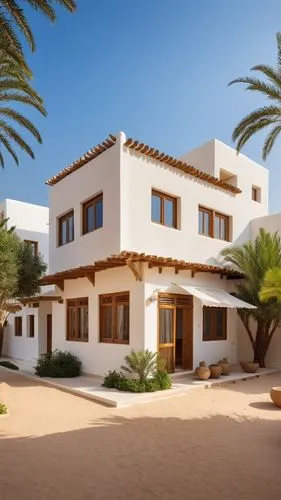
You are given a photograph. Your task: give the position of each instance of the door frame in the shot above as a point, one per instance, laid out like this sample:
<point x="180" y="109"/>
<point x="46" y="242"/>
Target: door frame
<point x="187" y="338"/>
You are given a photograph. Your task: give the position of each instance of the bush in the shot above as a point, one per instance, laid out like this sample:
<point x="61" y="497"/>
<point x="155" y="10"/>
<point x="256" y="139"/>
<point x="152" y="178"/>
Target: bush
<point x="61" y="364"/>
<point x="117" y="380"/>
<point x="8" y="364"/>
<point x="3" y="409"/>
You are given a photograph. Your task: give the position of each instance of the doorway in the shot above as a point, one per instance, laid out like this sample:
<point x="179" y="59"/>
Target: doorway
<point x="175" y="336"/>
<point x="49" y="333"/>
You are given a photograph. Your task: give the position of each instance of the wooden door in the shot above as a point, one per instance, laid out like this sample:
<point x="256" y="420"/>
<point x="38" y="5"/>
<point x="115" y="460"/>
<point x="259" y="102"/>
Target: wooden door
<point x="167" y="330"/>
<point x="49" y="333"/>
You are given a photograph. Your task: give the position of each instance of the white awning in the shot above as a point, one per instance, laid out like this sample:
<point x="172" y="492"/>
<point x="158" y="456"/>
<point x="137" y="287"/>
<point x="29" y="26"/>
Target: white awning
<point x="211" y="297"/>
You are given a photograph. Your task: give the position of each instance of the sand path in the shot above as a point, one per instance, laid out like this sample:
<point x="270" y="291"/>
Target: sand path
<point x="220" y="443"/>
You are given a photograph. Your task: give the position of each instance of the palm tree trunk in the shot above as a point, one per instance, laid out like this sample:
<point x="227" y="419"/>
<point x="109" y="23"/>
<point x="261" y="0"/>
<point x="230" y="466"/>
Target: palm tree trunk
<point x="262" y="342"/>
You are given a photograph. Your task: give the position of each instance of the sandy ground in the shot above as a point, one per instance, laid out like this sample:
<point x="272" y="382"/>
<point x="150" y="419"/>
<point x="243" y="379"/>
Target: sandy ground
<point x="220" y="443"/>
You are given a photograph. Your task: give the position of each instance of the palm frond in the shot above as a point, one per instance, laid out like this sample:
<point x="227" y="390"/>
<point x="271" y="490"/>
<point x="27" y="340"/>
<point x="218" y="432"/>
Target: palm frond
<point x="16" y="97"/>
<point x="272" y="74"/>
<point x="271" y="286"/>
<point x="12" y="134"/>
<point x="1" y="160"/>
<point x="247" y="132"/>
<point x="270" y="140"/>
<point x="271" y="91"/>
<point x="20" y="20"/>
<point x="22" y="121"/>
<point x="10" y="149"/>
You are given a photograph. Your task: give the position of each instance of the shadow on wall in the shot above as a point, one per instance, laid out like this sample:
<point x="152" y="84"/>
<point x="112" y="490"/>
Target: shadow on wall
<point x="147" y="458"/>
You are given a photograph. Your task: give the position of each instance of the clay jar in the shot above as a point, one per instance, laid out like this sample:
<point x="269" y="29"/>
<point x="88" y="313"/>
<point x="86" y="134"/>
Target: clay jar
<point x="249" y="366"/>
<point x="275" y="395"/>
<point x="216" y="370"/>
<point x="225" y="366"/>
<point x="202" y="372"/>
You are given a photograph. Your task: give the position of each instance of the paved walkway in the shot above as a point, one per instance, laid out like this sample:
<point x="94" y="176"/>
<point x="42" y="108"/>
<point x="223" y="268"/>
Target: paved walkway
<point x="90" y="387"/>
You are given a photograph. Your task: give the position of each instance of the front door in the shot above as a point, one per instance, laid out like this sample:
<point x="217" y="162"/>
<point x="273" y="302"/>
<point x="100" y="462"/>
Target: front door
<point x="49" y="333"/>
<point x="176" y="331"/>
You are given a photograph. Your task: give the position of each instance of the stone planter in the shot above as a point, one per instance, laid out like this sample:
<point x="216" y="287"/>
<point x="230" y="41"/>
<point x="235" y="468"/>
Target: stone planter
<point x="202" y="371"/>
<point x="216" y="370"/>
<point x="275" y="395"/>
<point x="249" y="367"/>
<point x="225" y="366"/>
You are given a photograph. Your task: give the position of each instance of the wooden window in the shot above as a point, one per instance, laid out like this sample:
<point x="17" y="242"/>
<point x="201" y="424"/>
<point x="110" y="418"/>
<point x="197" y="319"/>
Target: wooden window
<point x="214" y="323"/>
<point x="66" y="228"/>
<point x="205" y="221"/>
<point x="115" y="318"/>
<point x="33" y="245"/>
<point x="213" y="224"/>
<point x="93" y="214"/>
<point x="77" y="320"/>
<point x="163" y="209"/>
<point x="30" y="325"/>
<point x="18" y="326"/>
<point x="256" y="194"/>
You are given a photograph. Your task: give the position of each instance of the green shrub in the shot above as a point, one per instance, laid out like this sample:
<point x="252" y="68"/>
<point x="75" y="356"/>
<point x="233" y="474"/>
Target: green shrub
<point x="61" y="364"/>
<point x="112" y="379"/>
<point x="117" y="380"/>
<point x="8" y="364"/>
<point x="3" y="409"/>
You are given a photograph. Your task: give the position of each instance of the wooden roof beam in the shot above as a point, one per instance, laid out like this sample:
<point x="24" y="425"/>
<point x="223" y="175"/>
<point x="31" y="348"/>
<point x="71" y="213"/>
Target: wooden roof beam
<point x="137" y="272"/>
<point x="91" y="277"/>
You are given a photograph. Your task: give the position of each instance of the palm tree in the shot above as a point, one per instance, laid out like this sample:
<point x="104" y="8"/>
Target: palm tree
<point x="254" y="259"/>
<point x="265" y="116"/>
<point x="15" y="88"/>
<point x="12" y="18"/>
<point x="15" y="75"/>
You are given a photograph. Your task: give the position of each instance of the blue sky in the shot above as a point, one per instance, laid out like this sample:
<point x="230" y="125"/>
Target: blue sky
<point x="154" y="68"/>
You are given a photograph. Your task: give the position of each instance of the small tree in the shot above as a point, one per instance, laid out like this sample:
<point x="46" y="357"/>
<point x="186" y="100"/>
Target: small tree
<point x="254" y="259"/>
<point x="20" y="271"/>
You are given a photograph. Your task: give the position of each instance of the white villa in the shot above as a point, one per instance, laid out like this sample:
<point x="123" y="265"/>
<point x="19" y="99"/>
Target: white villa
<point x="135" y="238"/>
<point x="26" y="331"/>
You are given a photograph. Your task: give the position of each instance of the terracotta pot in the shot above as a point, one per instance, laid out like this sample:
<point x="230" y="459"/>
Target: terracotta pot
<point x="203" y="372"/>
<point x="275" y="395"/>
<point x="216" y="370"/>
<point x="201" y="365"/>
<point x="249" y="367"/>
<point x="225" y="366"/>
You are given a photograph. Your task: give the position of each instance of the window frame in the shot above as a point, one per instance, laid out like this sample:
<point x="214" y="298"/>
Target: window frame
<point x="31" y="326"/>
<point x="256" y="194"/>
<point x="214" y="337"/>
<point x="18" y="326"/>
<point x="85" y="205"/>
<point x="165" y="196"/>
<point x="76" y="304"/>
<point x="213" y="214"/>
<point x="113" y="305"/>
<point x="33" y="244"/>
<point x="65" y="217"/>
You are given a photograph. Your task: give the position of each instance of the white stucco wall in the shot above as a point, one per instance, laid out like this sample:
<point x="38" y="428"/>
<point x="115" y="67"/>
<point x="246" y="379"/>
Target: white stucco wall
<point x="140" y="174"/>
<point x="100" y="175"/>
<point x="23" y="347"/>
<point x="98" y="357"/>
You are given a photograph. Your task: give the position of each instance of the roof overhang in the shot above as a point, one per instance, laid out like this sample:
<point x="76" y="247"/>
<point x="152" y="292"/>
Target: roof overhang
<point x="134" y="261"/>
<point x="211" y="297"/>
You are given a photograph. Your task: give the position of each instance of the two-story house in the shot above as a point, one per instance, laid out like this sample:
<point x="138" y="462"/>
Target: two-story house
<point x="135" y="237"/>
<point x="26" y="331"/>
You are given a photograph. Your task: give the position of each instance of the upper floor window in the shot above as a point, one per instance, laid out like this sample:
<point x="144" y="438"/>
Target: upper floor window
<point x="93" y="214"/>
<point x="115" y="318"/>
<point x="213" y="224"/>
<point x="214" y="323"/>
<point x="33" y="245"/>
<point x="77" y="320"/>
<point x="163" y="209"/>
<point x="66" y="228"/>
<point x="256" y="193"/>
<point x="18" y="326"/>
